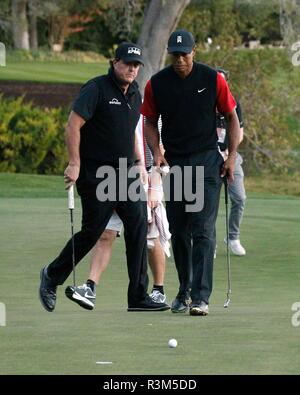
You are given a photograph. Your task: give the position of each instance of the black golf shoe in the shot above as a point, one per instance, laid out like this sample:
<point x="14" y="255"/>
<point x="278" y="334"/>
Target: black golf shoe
<point x="180" y="304"/>
<point x="47" y="291"/>
<point x="82" y="295"/>
<point x="148" y="304"/>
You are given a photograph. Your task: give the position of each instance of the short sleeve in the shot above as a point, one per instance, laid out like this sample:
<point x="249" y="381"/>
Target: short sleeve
<point x="86" y="102"/>
<point x="225" y="100"/>
<point x="149" y="108"/>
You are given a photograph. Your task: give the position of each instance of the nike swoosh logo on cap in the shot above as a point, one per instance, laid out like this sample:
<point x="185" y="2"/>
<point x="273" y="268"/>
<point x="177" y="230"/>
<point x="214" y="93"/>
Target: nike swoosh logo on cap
<point x="201" y="90"/>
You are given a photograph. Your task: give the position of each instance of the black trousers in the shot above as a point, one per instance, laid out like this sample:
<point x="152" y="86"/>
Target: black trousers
<point x="193" y="233"/>
<point x="95" y="216"/>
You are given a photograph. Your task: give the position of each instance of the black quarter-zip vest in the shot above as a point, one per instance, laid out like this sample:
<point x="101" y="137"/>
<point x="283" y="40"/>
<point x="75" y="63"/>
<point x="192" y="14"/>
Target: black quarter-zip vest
<point x="188" y="109"/>
<point x="109" y="134"/>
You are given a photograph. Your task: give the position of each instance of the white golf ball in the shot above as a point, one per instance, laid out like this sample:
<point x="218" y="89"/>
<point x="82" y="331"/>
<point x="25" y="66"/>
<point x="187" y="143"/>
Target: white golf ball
<point x="165" y="170"/>
<point x="172" y="343"/>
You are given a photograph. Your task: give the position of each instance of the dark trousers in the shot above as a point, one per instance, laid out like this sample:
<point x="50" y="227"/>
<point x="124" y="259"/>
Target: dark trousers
<point x="95" y="216"/>
<point x="193" y="233"/>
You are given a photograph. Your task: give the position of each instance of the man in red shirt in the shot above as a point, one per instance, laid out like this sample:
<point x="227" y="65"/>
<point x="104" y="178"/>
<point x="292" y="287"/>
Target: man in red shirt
<point x="186" y="95"/>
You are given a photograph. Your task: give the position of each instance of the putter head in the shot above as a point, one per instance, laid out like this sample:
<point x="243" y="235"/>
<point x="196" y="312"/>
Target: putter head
<point x="226" y="304"/>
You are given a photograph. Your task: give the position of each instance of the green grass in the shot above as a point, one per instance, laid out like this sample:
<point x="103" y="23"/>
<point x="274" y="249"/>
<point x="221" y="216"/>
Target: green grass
<point x="31" y="186"/>
<point x="253" y="336"/>
<point x="52" y="71"/>
<point x="274" y="184"/>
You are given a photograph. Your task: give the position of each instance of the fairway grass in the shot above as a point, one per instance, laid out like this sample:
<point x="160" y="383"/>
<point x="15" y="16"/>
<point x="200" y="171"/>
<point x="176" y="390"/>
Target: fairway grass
<point x="64" y="72"/>
<point x="253" y="336"/>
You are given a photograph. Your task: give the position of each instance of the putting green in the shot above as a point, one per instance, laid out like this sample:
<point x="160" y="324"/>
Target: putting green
<point x="254" y="335"/>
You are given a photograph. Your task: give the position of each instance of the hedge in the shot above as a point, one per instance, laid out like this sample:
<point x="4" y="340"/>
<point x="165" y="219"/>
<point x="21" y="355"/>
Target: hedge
<point x="31" y="138"/>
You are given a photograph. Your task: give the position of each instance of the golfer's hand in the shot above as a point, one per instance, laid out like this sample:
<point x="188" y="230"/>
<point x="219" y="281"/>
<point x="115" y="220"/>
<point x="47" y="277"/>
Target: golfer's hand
<point x="153" y="204"/>
<point x="228" y="168"/>
<point x="159" y="160"/>
<point x="154" y="197"/>
<point x="155" y="192"/>
<point x="71" y="174"/>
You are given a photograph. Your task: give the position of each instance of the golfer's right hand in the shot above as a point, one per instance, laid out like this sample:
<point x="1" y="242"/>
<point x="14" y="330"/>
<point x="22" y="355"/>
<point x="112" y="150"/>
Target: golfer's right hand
<point x="159" y="160"/>
<point x="228" y="169"/>
<point x="71" y="174"/>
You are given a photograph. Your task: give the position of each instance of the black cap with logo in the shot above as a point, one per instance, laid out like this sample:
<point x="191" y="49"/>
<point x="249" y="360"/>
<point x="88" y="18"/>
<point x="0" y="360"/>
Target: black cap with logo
<point x="129" y="52"/>
<point x="181" y="41"/>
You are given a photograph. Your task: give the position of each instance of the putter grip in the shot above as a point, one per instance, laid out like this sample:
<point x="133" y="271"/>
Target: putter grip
<point x="71" y="197"/>
<point x="226" y="189"/>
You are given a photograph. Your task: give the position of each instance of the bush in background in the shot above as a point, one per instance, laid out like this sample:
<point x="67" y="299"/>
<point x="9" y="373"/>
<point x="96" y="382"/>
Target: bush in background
<point x="31" y="139"/>
<point x="268" y="87"/>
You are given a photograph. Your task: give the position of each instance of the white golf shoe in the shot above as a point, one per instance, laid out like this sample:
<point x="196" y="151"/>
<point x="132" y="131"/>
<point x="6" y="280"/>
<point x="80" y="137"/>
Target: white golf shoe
<point x="158" y="297"/>
<point x="236" y="247"/>
<point x="199" y="309"/>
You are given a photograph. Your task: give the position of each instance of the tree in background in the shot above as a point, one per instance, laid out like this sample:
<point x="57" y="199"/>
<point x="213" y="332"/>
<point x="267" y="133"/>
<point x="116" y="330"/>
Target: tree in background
<point x="20" y="24"/>
<point x="67" y="17"/>
<point x="258" y="20"/>
<point x="290" y="22"/>
<point x="232" y="22"/>
<point x="62" y="17"/>
<point x="32" y="22"/>
<point x="99" y="25"/>
<point x="223" y="24"/>
<point x="5" y="22"/>
<point x="114" y="22"/>
<point x="197" y="18"/>
<point x="161" y="18"/>
<point x="121" y="17"/>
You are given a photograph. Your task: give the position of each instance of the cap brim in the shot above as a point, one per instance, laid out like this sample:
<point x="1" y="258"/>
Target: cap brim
<point x="180" y="49"/>
<point x="133" y="59"/>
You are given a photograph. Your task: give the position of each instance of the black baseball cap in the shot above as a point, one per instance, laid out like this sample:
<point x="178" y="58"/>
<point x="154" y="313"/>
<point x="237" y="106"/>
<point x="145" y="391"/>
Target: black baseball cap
<point x="129" y="52"/>
<point x="181" y="41"/>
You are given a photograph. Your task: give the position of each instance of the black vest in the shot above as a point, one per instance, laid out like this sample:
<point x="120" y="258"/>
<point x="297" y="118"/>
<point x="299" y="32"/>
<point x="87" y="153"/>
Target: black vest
<point x="110" y="133"/>
<point x="188" y="109"/>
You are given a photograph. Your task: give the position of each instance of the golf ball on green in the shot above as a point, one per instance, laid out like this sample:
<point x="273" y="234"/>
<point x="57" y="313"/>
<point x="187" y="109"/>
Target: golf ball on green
<point x="172" y="343"/>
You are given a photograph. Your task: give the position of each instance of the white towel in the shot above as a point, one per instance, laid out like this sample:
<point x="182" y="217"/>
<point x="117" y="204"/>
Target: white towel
<point x="159" y="227"/>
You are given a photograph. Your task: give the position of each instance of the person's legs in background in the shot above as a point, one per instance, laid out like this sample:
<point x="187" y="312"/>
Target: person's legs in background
<point x="157" y="263"/>
<point x="101" y="255"/>
<point x="134" y="217"/>
<point x="85" y="294"/>
<point x="237" y="196"/>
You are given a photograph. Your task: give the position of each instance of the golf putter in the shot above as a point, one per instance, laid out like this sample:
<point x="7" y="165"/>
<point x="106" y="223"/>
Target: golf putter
<point x="71" y="208"/>
<point x="226" y="304"/>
